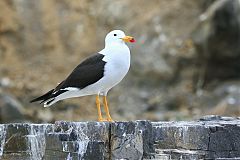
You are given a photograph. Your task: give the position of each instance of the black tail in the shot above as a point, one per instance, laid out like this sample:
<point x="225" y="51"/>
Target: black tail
<point x="43" y="97"/>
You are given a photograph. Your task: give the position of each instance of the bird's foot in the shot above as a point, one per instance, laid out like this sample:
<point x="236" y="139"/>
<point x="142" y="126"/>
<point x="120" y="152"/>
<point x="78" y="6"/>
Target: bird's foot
<point x="102" y="120"/>
<point x="105" y="120"/>
<point x="109" y="119"/>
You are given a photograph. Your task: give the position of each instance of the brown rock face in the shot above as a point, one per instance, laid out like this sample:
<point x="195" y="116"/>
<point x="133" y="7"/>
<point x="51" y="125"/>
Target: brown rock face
<point x="42" y="41"/>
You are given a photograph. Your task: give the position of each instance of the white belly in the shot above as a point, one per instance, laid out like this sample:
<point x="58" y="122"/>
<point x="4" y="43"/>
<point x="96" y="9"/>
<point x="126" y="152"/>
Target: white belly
<point x="115" y="72"/>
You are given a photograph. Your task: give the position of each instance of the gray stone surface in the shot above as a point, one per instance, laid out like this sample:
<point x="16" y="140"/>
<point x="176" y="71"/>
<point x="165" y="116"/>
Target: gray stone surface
<point x="211" y="137"/>
<point x="62" y="140"/>
<point x="131" y="140"/>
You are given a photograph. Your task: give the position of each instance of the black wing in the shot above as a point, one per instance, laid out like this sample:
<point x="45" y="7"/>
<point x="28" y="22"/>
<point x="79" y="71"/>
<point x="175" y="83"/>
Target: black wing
<point x="44" y="97"/>
<point x="87" y="72"/>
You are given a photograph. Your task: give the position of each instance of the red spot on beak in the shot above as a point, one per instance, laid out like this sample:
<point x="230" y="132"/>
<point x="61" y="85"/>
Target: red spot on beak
<point x="132" y="40"/>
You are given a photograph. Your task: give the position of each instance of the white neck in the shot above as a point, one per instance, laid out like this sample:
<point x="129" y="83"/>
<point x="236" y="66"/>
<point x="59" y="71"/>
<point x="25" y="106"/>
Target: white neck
<point x="113" y="47"/>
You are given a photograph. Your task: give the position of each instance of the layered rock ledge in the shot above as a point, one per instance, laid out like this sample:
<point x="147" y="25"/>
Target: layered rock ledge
<point x="211" y="137"/>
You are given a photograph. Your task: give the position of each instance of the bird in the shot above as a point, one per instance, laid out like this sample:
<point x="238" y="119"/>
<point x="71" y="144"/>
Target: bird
<point x="95" y="75"/>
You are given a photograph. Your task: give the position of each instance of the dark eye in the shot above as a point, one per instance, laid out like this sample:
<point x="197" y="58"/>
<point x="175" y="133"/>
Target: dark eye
<point x="115" y="34"/>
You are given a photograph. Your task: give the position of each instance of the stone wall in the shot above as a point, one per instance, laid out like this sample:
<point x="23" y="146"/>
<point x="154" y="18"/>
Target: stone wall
<point x="208" y="138"/>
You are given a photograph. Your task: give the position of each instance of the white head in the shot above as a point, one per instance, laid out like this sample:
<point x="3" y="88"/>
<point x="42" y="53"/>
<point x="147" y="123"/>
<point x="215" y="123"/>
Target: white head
<point x="118" y="36"/>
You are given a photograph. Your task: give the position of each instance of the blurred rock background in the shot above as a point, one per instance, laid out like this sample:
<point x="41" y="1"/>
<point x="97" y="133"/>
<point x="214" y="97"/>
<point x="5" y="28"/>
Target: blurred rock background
<point x="185" y="64"/>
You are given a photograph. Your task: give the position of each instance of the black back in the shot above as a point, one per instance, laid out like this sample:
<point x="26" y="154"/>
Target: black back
<point x="88" y="72"/>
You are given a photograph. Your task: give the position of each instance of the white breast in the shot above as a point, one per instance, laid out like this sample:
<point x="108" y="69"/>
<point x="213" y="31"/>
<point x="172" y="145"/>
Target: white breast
<point x="117" y="65"/>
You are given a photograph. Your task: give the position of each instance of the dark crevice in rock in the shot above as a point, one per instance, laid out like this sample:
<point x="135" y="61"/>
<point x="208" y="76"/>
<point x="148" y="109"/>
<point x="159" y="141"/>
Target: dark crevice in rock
<point x="209" y="139"/>
<point x="110" y="141"/>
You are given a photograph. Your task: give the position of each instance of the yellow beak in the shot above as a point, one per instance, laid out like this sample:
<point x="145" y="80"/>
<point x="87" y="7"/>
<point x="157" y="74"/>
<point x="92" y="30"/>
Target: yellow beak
<point x="128" y="39"/>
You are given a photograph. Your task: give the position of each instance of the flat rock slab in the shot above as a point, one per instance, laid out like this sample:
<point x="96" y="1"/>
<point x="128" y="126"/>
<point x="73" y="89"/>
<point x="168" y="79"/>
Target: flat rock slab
<point x="211" y="137"/>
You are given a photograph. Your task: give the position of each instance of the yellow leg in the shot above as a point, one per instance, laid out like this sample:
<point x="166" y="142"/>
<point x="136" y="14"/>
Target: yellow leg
<point x="109" y="119"/>
<point x="100" y="119"/>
